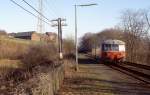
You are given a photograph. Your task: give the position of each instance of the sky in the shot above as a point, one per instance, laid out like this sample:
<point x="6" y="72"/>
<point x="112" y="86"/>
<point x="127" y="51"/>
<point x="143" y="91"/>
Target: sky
<point x="89" y="19"/>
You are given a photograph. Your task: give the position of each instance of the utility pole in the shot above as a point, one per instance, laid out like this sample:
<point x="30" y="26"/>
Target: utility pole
<point x="40" y="24"/>
<point x="59" y="24"/>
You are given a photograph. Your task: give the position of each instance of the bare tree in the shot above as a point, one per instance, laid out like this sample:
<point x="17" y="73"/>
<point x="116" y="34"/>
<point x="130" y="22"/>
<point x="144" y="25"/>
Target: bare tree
<point x="68" y="46"/>
<point x="92" y="41"/>
<point x="111" y="33"/>
<point x="136" y="28"/>
<point x="86" y="43"/>
<point x="147" y="19"/>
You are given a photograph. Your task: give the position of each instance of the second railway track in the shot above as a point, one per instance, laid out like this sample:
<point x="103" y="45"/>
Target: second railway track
<point x="134" y="71"/>
<point x="137" y="71"/>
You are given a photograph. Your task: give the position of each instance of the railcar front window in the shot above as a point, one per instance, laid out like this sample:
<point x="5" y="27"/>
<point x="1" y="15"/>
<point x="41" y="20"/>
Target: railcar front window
<point x="106" y="47"/>
<point x="115" y="47"/>
<point x="109" y="47"/>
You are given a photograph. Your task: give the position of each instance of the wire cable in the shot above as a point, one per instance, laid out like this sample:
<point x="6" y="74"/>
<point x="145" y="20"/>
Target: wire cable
<point x="51" y="8"/>
<point x="28" y="11"/>
<point x="35" y="9"/>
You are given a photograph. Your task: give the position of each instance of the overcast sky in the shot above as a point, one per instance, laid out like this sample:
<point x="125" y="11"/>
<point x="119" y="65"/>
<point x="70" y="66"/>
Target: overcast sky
<point x="90" y="19"/>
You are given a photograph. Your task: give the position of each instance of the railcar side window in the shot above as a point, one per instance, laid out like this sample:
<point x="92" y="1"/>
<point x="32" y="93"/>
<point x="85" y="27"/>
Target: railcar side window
<point x="103" y="47"/>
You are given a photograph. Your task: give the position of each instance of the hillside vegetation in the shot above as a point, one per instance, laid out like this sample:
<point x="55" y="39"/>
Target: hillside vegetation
<point x="11" y="52"/>
<point x="12" y="48"/>
<point x="31" y="67"/>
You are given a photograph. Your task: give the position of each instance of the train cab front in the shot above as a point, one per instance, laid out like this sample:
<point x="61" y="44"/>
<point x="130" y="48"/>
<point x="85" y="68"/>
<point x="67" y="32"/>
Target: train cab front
<point x="113" y="51"/>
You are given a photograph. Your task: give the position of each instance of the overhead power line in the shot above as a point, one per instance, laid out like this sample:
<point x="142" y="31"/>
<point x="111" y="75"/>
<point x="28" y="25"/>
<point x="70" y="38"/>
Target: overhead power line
<point x="28" y="11"/>
<point x="35" y="10"/>
<point x="49" y="8"/>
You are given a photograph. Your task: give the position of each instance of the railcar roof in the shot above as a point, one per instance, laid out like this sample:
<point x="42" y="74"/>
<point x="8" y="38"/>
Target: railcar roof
<point x="113" y="42"/>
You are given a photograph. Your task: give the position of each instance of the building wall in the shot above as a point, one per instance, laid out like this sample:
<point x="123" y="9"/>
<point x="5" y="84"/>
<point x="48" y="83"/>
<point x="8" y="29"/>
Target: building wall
<point x="49" y="38"/>
<point x="24" y="37"/>
<point x="35" y="37"/>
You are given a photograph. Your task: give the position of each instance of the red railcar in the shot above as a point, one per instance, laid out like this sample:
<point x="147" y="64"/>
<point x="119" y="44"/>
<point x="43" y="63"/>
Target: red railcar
<point x="113" y="50"/>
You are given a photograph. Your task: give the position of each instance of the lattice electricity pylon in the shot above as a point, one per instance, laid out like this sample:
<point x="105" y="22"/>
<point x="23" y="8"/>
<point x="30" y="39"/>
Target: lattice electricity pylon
<point x="40" y="25"/>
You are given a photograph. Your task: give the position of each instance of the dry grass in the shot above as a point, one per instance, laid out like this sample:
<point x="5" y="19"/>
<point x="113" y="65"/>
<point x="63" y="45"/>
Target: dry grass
<point x="10" y="63"/>
<point x="7" y="66"/>
<point x="12" y="48"/>
<point x="11" y="51"/>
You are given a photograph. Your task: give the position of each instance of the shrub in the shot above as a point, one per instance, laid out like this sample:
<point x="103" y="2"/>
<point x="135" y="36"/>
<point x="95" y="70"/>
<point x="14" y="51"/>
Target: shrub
<point x="40" y="54"/>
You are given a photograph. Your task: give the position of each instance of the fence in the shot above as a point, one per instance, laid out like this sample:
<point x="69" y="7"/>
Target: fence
<point x="46" y="81"/>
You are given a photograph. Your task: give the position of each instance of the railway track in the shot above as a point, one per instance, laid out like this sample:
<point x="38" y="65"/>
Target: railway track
<point x="146" y="67"/>
<point x="138" y="71"/>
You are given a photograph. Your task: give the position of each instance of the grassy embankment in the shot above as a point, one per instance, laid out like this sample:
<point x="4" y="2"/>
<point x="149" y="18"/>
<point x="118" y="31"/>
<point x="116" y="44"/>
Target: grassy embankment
<point x="19" y="53"/>
<point x="22" y="61"/>
<point x="11" y="52"/>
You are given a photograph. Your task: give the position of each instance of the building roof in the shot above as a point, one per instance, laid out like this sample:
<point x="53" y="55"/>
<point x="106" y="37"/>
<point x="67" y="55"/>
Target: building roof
<point x="113" y="42"/>
<point x="24" y="34"/>
<point x="51" y="33"/>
